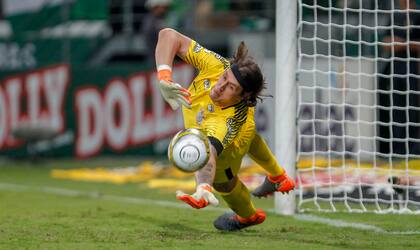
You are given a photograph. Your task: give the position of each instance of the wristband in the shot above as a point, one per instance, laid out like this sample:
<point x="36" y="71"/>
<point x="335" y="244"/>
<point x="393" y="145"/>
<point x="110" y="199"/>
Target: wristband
<point x="165" y="74"/>
<point x="163" y="67"/>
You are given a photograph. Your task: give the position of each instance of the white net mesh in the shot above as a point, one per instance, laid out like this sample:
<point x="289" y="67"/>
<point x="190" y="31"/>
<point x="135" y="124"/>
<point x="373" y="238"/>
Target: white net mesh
<point x="358" y="106"/>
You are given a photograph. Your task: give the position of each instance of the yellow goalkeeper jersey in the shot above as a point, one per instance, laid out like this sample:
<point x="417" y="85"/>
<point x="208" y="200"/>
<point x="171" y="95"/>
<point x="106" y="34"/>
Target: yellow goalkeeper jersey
<point x="227" y="125"/>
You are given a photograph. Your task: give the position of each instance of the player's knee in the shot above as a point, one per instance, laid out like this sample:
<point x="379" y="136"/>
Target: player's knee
<point x="225" y="187"/>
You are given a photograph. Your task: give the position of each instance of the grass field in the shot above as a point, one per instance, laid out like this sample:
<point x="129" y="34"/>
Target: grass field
<point x="38" y="212"/>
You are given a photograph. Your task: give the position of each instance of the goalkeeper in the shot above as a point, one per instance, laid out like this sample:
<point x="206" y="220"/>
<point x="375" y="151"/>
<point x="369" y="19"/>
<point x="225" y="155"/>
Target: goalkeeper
<point x="220" y="101"/>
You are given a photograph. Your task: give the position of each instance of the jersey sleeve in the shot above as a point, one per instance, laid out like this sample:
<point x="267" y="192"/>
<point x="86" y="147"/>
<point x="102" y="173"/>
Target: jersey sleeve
<point x="204" y="59"/>
<point x="225" y="127"/>
<point x="216" y="129"/>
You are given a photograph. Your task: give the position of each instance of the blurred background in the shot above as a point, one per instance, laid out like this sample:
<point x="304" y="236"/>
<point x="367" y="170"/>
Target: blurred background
<point x="77" y="76"/>
<point x="77" y="81"/>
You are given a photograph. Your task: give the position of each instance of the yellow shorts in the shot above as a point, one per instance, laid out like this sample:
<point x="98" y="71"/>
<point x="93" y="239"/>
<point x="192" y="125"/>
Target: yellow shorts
<point x="229" y="161"/>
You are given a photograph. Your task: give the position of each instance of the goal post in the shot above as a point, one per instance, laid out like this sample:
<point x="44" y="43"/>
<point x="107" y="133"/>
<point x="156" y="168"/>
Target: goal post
<point x="285" y="98"/>
<point x="347" y="105"/>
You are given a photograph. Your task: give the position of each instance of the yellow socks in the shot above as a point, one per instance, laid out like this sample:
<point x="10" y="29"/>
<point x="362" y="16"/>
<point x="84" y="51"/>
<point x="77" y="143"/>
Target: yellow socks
<point x="262" y="155"/>
<point x="239" y="200"/>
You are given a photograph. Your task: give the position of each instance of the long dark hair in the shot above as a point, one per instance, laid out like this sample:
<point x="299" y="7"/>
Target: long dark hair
<point x="251" y="72"/>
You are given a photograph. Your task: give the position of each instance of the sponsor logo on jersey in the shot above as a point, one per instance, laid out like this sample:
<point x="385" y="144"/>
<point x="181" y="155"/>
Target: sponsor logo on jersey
<point x="210" y="108"/>
<point x="197" y="48"/>
<point x="200" y="116"/>
<point x="206" y="83"/>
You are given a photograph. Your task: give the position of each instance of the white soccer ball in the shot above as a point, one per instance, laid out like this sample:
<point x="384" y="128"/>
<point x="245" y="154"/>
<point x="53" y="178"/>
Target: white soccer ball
<point x="189" y="150"/>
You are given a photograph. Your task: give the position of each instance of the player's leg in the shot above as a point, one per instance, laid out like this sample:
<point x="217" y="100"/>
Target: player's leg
<point x="262" y="155"/>
<point x="237" y="196"/>
<point x="239" y="200"/>
<point x="234" y="192"/>
<point x="277" y="179"/>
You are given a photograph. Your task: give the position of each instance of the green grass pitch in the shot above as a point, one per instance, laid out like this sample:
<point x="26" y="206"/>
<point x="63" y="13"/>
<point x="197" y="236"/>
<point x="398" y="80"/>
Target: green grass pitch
<point x="38" y="212"/>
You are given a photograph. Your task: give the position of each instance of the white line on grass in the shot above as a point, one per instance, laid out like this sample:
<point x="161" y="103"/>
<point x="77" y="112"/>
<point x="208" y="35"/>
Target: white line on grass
<point x="98" y="195"/>
<point x="142" y="201"/>
<point x="340" y="223"/>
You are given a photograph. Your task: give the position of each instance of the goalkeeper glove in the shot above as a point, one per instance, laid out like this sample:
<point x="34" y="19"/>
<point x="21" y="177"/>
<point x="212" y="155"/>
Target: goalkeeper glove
<point x="173" y="93"/>
<point x="202" y="197"/>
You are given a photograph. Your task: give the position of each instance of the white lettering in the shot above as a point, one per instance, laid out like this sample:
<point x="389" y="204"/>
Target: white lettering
<point x="33" y="87"/>
<point x="3" y="118"/>
<point x="55" y="81"/>
<point x="125" y="115"/>
<point x="14" y="56"/>
<point x="90" y="122"/>
<point x="143" y="122"/>
<point x="117" y="101"/>
<point x="14" y="91"/>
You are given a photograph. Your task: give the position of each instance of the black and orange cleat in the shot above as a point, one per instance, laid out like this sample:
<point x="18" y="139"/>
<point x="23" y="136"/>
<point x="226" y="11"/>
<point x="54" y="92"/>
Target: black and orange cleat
<point x="282" y="183"/>
<point x="232" y="222"/>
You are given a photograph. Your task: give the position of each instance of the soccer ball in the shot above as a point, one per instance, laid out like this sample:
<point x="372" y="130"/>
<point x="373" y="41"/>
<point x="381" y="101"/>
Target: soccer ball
<point x="189" y="150"/>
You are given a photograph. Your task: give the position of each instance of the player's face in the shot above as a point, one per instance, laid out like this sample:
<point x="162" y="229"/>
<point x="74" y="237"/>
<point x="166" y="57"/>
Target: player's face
<point x="227" y="91"/>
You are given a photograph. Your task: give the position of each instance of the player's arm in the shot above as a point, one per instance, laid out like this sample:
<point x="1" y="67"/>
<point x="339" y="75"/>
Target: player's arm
<point x="206" y="174"/>
<point x="171" y="43"/>
<point x="216" y="131"/>
<point x="204" y="191"/>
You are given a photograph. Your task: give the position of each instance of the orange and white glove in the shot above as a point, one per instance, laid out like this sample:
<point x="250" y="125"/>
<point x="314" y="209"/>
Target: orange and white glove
<point x="173" y="93"/>
<point x="202" y="197"/>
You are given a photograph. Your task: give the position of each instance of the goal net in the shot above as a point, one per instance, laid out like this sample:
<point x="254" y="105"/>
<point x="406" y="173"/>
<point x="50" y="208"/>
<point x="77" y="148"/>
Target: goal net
<point x="358" y="113"/>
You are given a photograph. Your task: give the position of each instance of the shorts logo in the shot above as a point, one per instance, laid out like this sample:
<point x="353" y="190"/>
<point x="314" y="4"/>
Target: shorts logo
<point x="197" y="48"/>
<point x="206" y="83"/>
<point x="210" y="108"/>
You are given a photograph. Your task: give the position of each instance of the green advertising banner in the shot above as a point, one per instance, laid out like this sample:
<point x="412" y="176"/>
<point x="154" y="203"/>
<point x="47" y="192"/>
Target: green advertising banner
<point x="21" y="54"/>
<point x="65" y="111"/>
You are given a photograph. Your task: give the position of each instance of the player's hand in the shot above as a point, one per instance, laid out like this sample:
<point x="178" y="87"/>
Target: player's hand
<point x="174" y="94"/>
<point x="202" y="197"/>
